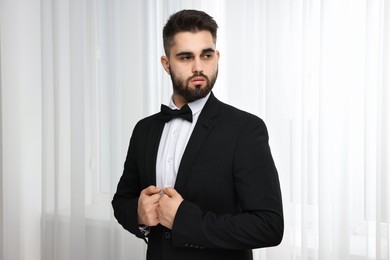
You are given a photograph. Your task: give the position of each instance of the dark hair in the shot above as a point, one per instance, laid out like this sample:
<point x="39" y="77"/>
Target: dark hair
<point x="187" y="21"/>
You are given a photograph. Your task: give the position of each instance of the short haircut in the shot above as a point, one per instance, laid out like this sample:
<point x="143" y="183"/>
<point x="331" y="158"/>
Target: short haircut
<point x="187" y="21"/>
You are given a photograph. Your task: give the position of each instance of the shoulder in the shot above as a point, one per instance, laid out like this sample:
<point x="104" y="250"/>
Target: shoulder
<point x="237" y="116"/>
<point x="145" y="124"/>
<point x="149" y="120"/>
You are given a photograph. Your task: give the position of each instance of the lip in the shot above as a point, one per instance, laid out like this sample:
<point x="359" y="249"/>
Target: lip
<point x="198" y="80"/>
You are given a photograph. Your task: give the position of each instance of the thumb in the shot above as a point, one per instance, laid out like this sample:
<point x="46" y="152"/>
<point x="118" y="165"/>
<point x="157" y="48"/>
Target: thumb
<point x="151" y="190"/>
<point x="170" y="192"/>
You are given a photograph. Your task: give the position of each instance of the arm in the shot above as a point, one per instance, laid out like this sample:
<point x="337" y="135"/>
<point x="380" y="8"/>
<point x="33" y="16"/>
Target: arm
<point x="260" y="222"/>
<point x="126" y="199"/>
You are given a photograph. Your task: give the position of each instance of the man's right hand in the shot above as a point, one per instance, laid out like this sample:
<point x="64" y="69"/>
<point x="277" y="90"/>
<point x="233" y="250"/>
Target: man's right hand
<point x="147" y="206"/>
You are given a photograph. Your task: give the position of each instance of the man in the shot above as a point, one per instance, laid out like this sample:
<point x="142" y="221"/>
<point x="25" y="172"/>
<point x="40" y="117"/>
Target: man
<point x="199" y="181"/>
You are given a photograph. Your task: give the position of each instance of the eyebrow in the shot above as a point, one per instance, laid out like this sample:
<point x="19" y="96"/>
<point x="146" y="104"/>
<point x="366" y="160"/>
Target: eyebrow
<point x="208" y="50"/>
<point x="184" y="53"/>
<point x="187" y="53"/>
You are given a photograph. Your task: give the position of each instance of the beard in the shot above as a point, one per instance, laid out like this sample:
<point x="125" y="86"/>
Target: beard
<point x="183" y="88"/>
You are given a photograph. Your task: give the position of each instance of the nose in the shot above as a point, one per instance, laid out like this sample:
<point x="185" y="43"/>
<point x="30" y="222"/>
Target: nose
<point x="197" y="66"/>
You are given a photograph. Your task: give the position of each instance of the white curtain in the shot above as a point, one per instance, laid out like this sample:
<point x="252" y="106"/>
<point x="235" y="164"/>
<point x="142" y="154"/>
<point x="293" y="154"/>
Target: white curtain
<point x="76" y="75"/>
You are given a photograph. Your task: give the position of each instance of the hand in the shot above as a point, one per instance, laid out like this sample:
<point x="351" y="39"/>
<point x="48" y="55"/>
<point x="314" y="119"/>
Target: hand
<point x="147" y="206"/>
<point x="167" y="206"/>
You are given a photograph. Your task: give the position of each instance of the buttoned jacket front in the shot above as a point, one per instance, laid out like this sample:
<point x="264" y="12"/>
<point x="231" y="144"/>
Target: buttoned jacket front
<point x="227" y="178"/>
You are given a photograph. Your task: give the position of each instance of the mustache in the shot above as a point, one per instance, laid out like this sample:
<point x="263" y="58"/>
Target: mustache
<point x="198" y="74"/>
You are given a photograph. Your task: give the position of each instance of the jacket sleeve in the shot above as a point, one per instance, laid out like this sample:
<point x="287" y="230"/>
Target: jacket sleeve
<point x="260" y="221"/>
<point x="125" y="200"/>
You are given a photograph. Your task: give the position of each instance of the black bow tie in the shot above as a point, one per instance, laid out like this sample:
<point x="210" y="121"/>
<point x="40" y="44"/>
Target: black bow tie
<point x="167" y="114"/>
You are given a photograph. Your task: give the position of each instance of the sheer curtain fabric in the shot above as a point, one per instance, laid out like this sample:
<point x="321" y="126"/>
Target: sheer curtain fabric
<point x="76" y="75"/>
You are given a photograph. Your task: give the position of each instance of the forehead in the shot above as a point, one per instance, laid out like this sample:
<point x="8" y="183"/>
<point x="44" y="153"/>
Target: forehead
<point x="192" y="41"/>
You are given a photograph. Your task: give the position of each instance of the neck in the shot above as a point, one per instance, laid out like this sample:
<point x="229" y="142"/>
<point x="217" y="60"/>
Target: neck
<point x="179" y="100"/>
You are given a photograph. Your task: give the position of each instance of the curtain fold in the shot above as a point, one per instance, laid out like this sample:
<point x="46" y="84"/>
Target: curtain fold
<point x="76" y="76"/>
<point x="21" y="138"/>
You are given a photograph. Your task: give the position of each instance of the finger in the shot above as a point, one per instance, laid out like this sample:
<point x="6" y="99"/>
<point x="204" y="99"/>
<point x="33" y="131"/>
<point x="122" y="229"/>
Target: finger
<point x="151" y="190"/>
<point x="150" y="200"/>
<point x="164" y="198"/>
<point x="155" y="197"/>
<point x="170" y="192"/>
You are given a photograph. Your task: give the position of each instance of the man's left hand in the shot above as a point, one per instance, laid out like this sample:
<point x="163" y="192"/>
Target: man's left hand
<point x="168" y="205"/>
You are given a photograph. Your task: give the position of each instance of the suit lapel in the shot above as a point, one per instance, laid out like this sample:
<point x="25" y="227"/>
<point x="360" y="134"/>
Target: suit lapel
<point x="152" y="144"/>
<point x="204" y="126"/>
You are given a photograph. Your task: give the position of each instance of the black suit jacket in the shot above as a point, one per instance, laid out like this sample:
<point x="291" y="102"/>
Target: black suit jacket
<point x="227" y="177"/>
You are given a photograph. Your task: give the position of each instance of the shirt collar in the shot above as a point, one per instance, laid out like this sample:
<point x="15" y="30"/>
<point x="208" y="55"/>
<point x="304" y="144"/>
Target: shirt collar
<point x="196" y="106"/>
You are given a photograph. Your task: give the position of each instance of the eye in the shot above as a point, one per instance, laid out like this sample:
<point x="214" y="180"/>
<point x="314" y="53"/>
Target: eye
<point x="208" y="55"/>
<point x="185" y="57"/>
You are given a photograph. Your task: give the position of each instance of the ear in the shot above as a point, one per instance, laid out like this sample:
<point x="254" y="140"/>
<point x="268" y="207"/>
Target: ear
<point x="165" y="64"/>
<point x="218" y="54"/>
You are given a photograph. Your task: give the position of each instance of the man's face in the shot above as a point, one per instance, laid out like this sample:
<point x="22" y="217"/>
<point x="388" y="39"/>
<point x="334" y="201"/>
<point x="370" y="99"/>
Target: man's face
<point x="193" y="65"/>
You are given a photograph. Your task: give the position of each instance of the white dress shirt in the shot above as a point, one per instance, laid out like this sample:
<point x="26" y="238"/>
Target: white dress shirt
<point x="173" y="142"/>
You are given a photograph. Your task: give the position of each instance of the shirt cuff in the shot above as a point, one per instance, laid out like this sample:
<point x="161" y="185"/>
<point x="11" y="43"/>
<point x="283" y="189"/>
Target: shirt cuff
<point x="145" y="230"/>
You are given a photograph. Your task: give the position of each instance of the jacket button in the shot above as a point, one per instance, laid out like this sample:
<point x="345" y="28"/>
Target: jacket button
<point x="167" y="235"/>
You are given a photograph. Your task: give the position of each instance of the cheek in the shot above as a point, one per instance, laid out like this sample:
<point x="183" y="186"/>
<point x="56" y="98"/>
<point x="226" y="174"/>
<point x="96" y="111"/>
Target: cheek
<point x="212" y="69"/>
<point x="180" y="72"/>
